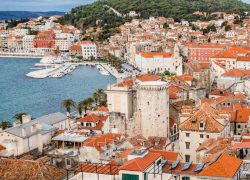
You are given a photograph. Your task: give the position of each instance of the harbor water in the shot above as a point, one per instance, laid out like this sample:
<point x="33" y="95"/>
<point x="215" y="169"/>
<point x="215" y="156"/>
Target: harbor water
<point x="38" y="97"/>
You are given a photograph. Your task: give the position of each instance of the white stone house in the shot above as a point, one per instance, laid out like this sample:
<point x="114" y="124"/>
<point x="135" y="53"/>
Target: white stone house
<point x="205" y="123"/>
<point x="32" y="134"/>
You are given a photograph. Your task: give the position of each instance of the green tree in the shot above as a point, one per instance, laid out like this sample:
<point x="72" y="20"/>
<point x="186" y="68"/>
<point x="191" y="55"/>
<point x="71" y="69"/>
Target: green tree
<point x="5" y="124"/>
<point x="68" y="104"/>
<point x="86" y="104"/>
<point x="19" y="116"/>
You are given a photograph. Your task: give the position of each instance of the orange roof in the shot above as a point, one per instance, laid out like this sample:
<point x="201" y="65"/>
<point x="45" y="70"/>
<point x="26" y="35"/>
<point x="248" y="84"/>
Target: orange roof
<point x="153" y="54"/>
<point x="236" y="73"/>
<point x="242" y="115"/>
<point x="101" y="140"/>
<point x="167" y="155"/>
<point x="226" y="166"/>
<point x="75" y="47"/>
<point x="148" y="77"/>
<point x="128" y="83"/>
<point x="97" y="168"/>
<point x="243" y="58"/>
<point x="208" y="115"/>
<point x="142" y="78"/>
<point x="125" y="153"/>
<point x="100" y="120"/>
<point x="102" y="109"/>
<point x="225" y="54"/>
<point x="185" y="77"/>
<point x="93" y="118"/>
<point x="140" y="164"/>
<point x="238" y="49"/>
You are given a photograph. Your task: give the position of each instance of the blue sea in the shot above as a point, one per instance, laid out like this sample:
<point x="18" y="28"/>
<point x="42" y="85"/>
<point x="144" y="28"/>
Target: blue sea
<point x="38" y="97"/>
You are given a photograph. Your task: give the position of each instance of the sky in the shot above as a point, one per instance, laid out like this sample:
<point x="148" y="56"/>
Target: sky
<point x="41" y="5"/>
<point x="44" y="5"/>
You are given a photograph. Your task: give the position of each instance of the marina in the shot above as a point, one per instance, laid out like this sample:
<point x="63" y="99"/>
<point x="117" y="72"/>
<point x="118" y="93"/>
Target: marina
<point x="20" y="93"/>
<point x="57" y="67"/>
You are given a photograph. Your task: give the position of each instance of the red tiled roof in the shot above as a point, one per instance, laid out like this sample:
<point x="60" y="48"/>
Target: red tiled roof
<point x="148" y="77"/>
<point x="93" y="118"/>
<point x="101" y="140"/>
<point x="28" y="169"/>
<point x="226" y="166"/>
<point x="140" y="164"/>
<point x="167" y="155"/>
<point x="98" y="168"/>
<point x="75" y="47"/>
<point x="153" y="54"/>
<point x="206" y="114"/>
<point x="102" y="109"/>
<point x="237" y="73"/>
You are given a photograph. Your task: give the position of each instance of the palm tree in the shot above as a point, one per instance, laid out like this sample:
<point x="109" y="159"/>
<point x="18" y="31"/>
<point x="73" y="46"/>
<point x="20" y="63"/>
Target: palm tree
<point x="96" y="97"/>
<point x="5" y="124"/>
<point x="68" y="104"/>
<point x="19" y="116"/>
<point x="86" y="104"/>
<point x="80" y="107"/>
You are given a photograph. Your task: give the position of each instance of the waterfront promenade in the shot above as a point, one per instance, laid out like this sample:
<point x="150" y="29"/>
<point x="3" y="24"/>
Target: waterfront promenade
<point x="20" y="55"/>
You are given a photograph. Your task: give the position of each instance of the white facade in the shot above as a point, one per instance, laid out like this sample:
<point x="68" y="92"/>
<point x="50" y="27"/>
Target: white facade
<point x="63" y="41"/>
<point x="89" y="50"/>
<point x="28" y="42"/>
<point x="159" y="62"/>
<point x="194" y="139"/>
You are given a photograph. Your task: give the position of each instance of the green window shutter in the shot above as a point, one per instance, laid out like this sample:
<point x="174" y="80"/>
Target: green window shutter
<point x="130" y="177"/>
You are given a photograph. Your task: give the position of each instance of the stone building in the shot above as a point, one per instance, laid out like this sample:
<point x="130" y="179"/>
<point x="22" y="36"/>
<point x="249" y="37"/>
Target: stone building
<point x="152" y="113"/>
<point x="139" y="106"/>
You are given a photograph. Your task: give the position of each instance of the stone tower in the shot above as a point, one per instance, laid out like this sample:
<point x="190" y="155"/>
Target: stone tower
<point x="153" y="109"/>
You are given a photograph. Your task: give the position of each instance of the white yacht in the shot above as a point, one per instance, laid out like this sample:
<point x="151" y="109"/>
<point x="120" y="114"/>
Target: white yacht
<point x="104" y="72"/>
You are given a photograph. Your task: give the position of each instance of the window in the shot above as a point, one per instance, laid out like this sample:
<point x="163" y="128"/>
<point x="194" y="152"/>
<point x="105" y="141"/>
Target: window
<point x="207" y="136"/>
<point x="82" y="123"/>
<point x="201" y="136"/>
<point x="68" y="162"/>
<point x="201" y="125"/>
<point x="187" y="134"/>
<point x="185" y="178"/>
<point x="187" y="158"/>
<point x="158" y="162"/>
<point x="239" y="126"/>
<point x="187" y="145"/>
<point x="130" y="177"/>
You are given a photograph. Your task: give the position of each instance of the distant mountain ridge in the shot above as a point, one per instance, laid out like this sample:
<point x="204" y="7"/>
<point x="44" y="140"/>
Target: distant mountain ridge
<point x="7" y="15"/>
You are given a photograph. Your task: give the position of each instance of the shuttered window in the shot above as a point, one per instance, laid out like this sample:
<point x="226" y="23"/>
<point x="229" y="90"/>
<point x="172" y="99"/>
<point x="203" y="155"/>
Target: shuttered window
<point x="130" y="177"/>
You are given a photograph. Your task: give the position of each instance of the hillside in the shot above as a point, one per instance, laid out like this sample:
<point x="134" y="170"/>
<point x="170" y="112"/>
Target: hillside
<point x="7" y="15"/>
<point x="87" y="15"/>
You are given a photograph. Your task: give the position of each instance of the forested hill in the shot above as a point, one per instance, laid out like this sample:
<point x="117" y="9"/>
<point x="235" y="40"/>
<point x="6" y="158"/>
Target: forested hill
<point x="87" y="15"/>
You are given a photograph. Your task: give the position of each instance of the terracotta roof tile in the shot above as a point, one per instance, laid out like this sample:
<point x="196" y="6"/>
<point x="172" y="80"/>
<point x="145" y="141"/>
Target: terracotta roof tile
<point x="28" y="169"/>
<point x="208" y="115"/>
<point x="226" y="166"/>
<point x="153" y="54"/>
<point x="140" y="164"/>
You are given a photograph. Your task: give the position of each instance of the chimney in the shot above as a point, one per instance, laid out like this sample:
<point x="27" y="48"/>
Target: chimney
<point x="26" y="118"/>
